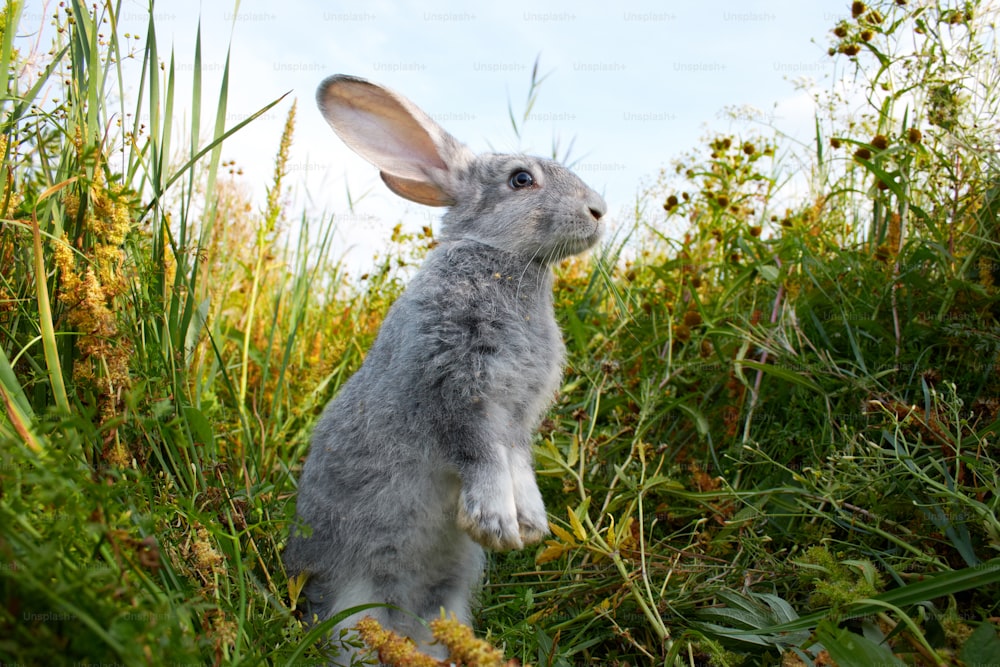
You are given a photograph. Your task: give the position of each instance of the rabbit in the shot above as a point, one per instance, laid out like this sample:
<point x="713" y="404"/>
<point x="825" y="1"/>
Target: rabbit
<point x="424" y="457"/>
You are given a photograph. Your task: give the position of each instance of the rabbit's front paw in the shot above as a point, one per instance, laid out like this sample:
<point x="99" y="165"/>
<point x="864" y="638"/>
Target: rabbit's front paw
<point x="532" y="521"/>
<point x="533" y="530"/>
<point x="490" y="517"/>
<point x="533" y="526"/>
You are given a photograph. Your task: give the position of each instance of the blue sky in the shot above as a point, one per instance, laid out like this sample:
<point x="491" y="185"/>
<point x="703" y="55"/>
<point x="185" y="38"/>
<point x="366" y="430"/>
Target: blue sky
<point x="633" y="84"/>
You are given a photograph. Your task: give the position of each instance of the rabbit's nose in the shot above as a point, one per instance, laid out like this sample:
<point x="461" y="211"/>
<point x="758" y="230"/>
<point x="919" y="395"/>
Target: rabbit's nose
<point x="596" y="206"/>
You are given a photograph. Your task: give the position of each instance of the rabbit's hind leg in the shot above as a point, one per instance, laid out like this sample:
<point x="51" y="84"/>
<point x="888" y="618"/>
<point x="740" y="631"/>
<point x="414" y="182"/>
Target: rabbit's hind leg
<point x="326" y="602"/>
<point x="453" y="591"/>
<point x="401" y="617"/>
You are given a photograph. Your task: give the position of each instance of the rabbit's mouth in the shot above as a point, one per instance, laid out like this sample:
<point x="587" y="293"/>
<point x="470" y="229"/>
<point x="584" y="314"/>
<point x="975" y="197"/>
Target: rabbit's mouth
<point x="590" y="231"/>
<point x="587" y="242"/>
<point x="583" y="239"/>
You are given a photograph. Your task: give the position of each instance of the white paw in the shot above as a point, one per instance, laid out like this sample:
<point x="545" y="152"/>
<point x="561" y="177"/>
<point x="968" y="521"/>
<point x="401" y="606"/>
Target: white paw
<point x="532" y="521"/>
<point x="489" y="516"/>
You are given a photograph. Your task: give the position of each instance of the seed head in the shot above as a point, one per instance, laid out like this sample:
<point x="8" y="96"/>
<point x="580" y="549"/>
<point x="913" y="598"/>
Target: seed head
<point x="692" y="318"/>
<point x="463" y="646"/>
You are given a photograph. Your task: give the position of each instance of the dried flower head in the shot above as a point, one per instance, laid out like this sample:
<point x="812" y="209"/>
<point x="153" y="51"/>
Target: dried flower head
<point x="206" y="559"/>
<point x="392" y="649"/>
<point x="874" y="17"/>
<point x="463" y="646"/>
<point x="90" y="280"/>
<point x="986" y="273"/>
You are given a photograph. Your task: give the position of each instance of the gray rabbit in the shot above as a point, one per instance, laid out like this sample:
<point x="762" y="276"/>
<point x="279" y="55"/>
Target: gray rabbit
<point x="424" y="456"/>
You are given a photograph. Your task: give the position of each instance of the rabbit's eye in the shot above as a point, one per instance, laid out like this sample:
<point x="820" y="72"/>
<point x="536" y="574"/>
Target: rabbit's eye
<point x="521" y="179"/>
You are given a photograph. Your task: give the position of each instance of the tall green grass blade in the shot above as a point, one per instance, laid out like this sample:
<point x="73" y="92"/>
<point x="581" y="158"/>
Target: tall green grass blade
<point x="18" y="419"/>
<point x="12" y="18"/>
<point x="196" y="100"/>
<point x="14" y="390"/>
<point x="52" y="362"/>
<point x="783" y="374"/>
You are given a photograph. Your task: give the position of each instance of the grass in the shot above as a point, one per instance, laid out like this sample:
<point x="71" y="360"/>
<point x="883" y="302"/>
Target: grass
<point x="775" y="443"/>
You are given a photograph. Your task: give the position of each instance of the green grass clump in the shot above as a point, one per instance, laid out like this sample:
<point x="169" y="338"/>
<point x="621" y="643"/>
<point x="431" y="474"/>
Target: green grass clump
<point x="836" y="583"/>
<point x="775" y="443"/>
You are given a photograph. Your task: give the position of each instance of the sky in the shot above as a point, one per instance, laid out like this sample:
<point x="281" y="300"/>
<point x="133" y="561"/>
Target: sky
<point x="630" y="85"/>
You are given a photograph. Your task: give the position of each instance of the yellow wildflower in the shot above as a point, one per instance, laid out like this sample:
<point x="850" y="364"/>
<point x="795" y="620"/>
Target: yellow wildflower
<point x="986" y="273"/>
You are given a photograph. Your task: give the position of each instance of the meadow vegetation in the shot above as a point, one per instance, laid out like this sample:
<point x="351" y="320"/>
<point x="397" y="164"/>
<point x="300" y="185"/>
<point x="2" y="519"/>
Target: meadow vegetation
<point x="776" y="442"/>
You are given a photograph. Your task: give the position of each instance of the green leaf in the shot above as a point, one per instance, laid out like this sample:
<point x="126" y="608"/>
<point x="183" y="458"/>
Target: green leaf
<point x="769" y="272"/>
<point x="700" y="422"/>
<point x="201" y="428"/>
<point x="576" y="525"/>
<point x="783" y="374"/>
<point x="574" y="451"/>
<point x="195" y="326"/>
<point x="982" y="647"/>
<point x="748" y="619"/>
<point x="10" y="383"/>
<point x="847" y="648"/>
<point x="745" y="637"/>
<point x="779" y="607"/>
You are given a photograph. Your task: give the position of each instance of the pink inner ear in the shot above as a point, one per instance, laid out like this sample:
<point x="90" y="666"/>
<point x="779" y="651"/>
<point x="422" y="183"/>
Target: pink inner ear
<point x="381" y="129"/>
<point x="421" y="192"/>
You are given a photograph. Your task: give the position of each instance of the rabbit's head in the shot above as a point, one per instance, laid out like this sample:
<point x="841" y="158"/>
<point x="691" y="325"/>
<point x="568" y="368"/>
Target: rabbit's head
<point x="533" y="207"/>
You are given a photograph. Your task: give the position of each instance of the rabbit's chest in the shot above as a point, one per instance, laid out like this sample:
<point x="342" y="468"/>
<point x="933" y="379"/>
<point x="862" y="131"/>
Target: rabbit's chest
<point x="530" y="360"/>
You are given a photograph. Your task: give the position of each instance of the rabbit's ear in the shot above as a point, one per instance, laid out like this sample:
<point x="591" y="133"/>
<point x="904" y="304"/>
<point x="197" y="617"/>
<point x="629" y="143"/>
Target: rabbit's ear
<point x="423" y="192"/>
<point x="417" y="158"/>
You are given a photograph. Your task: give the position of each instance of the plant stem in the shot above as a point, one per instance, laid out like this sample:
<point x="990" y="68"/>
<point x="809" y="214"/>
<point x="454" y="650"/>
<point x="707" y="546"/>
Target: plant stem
<point x="52" y="364"/>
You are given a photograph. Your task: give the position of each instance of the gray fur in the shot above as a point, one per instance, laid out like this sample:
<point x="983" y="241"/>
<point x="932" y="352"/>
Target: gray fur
<point x="424" y="456"/>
